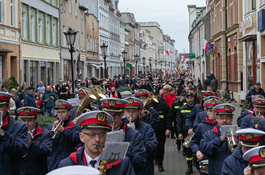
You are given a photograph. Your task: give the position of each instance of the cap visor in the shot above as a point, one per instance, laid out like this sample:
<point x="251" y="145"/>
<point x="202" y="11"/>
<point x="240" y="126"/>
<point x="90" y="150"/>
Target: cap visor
<point x="131" y="106"/>
<point x="249" y="144"/>
<point x="112" y="110"/>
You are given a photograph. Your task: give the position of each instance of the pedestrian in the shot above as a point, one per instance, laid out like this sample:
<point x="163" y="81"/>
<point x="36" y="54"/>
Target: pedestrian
<point x="211" y="76"/>
<point x="114" y="94"/>
<point x="206" y="83"/>
<point x="49" y="99"/>
<point x="41" y="86"/>
<point x="64" y="94"/>
<point x="214" y="84"/>
<point x="4" y="89"/>
<point x="256" y="90"/>
<point x="29" y="98"/>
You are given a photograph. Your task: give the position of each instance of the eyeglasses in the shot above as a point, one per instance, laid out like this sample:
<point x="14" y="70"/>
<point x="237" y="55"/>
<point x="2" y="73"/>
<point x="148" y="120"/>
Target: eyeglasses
<point x="93" y="135"/>
<point x="224" y="118"/>
<point x="142" y="98"/>
<point x="62" y="112"/>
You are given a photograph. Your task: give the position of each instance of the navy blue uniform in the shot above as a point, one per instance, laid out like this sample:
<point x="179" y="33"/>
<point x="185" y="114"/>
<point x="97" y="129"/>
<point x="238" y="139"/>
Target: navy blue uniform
<point x="29" y="100"/>
<point x="154" y="120"/>
<point x="41" y="147"/>
<point x="202" y="128"/>
<point x="192" y="115"/>
<point x="261" y="126"/>
<point x="73" y="111"/>
<point x="64" y="143"/>
<point x="150" y="143"/>
<point x="212" y="146"/>
<point x="247" y="123"/>
<point x="136" y="151"/>
<point x="13" y="146"/>
<point x="234" y="164"/>
<point x="199" y="119"/>
<point x="242" y="116"/>
<point x="123" y="168"/>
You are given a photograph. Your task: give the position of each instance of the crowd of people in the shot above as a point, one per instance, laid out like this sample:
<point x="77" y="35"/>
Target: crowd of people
<point x="158" y="107"/>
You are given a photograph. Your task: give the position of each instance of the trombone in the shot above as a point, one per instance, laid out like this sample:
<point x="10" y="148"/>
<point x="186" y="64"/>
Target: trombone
<point x="54" y="129"/>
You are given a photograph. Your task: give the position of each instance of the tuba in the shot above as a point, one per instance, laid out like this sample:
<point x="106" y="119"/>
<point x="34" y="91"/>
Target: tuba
<point x="231" y="141"/>
<point x="97" y="93"/>
<point x="86" y="101"/>
<point x="103" y="164"/>
<point x="187" y="141"/>
<point x="151" y="97"/>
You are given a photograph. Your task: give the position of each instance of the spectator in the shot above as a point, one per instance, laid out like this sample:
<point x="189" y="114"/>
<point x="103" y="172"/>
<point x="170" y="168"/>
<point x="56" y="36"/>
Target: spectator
<point x="49" y="98"/>
<point x="16" y="100"/>
<point x="111" y="84"/>
<point x="211" y="76"/>
<point x="64" y="94"/>
<point x="206" y="83"/>
<point x="257" y="90"/>
<point x="21" y="91"/>
<point x="28" y="98"/>
<point x="209" y="88"/>
<point x="4" y="88"/>
<point x="114" y="94"/>
<point x="59" y="86"/>
<point x="214" y="84"/>
<point x="23" y="87"/>
<point x="93" y="79"/>
<point x="41" y="86"/>
<point x="38" y="102"/>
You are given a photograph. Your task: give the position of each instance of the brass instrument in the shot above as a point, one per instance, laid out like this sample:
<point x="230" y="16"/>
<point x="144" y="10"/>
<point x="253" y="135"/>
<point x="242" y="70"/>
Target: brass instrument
<point x="86" y="101"/>
<point x="221" y="100"/>
<point x="1" y="119"/>
<point x="97" y="93"/>
<point x="231" y="141"/>
<point x="103" y="164"/>
<point x="30" y="136"/>
<point x="54" y="129"/>
<point x="203" y="165"/>
<point x="151" y="97"/>
<point x="187" y="141"/>
<point x="131" y="124"/>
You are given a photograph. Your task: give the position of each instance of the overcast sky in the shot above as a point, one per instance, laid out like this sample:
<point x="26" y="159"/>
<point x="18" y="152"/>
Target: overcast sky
<point x="172" y="15"/>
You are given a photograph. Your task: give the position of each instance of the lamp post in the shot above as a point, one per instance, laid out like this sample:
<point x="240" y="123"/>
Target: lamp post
<point x="165" y="64"/>
<point x="70" y="38"/>
<point x="124" y="54"/>
<point x="156" y="63"/>
<point x="144" y="63"/>
<point x="161" y="63"/>
<point x="136" y="60"/>
<point x="150" y="60"/>
<point x="104" y="52"/>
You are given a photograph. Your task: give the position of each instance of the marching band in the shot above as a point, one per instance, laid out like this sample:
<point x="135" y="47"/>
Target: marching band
<point x="127" y="136"/>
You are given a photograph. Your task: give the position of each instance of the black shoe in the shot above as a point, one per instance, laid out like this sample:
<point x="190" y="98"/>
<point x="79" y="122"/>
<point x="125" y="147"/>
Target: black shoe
<point x="160" y="168"/>
<point x="189" y="170"/>
<point x="156" y="162"/>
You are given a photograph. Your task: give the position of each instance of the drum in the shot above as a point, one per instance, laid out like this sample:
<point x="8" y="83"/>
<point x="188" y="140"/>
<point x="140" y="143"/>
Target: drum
<point x="203" y="165"/>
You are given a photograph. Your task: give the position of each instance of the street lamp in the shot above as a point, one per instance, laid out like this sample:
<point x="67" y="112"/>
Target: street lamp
<point x="144" y="64"/>
<point x="136" y="60"/>
<point x="150" y="60"/>
<point x="161" y="63"/>
<point x="165" y="64"/>
<point x="156" y="63"/>
<point x="124" y="54"/>
<point x="70" y="38"/>
<point x="104" y="48"/>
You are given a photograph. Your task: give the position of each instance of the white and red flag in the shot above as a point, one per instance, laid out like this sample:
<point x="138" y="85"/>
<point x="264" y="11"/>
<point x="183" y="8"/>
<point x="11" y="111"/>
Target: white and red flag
<point x="206" y="45"/>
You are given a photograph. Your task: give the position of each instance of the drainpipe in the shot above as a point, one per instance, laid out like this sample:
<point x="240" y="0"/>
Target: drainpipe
<point x="199" y="51"/>
<point x="226" y="43"/>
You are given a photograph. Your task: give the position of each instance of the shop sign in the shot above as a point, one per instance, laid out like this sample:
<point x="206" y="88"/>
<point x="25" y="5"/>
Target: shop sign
<point x="246" y="23"/>
<point x="212" y="51"/>
<point x="43" y="64"/>
<point x="261" y="20"/>
<point x="128" y="65"/>
<point x="82" y="57"/>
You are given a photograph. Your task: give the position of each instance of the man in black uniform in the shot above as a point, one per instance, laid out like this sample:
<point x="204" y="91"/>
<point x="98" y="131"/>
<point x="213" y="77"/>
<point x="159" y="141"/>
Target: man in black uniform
<point x="163" y="129"/>
<point x="193" y="90"/>
<point x="182" y="130"/>
<point x="156" y="85"/>
<point x="171" y="83"/>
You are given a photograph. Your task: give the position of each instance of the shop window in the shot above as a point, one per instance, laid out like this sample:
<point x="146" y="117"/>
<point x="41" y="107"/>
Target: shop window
<point x="50" y="72"/>
<point x="66" y="70"/>
<point x="33" y="66"/>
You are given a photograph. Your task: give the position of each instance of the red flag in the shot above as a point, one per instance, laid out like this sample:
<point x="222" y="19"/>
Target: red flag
<point x="167" y="51"/>
<point x="206" y="45"/>
<point x="183" y="58"/>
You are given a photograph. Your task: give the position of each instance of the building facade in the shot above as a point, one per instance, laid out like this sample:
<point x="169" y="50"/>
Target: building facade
<point x="10" y="47"/>
<point x="40" y="45"/>
<point x="169" y="52"/>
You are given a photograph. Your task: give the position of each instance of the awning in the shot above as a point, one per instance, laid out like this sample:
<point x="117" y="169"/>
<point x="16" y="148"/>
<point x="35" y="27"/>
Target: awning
<point x="97" y="66"/>
<point x="251" y="36"/>
<point x="6" y="50"/>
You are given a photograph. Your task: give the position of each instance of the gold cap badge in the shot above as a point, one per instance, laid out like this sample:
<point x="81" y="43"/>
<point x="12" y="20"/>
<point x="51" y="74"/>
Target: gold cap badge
<point x="227" y="107"/>
<point x="60" y="103"/>
<point x="249" y="136"/>
<point x="26" y="110"/>
<point x="101" y="117"/>
<point x="112" y="103"/>
<point x="262" y="153"/>
<point x="130" y="100"/>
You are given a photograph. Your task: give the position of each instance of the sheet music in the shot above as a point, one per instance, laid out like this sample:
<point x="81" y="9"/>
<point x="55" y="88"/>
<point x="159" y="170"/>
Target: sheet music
<point x="115" y="136"/>
<point x="114" y="151"/>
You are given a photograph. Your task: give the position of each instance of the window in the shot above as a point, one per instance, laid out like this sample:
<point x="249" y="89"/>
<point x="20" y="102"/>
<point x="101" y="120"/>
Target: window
<point x="82" y="15"/>
<point x="2" y="12"/>
<point x="82" y="41"/>
<point x="77" y="40"/>
<point x="48" y="32"/>
<point x="54" y="34"/>
<point x="70" y="6"/>
<point x="87" y="42"/>
<point x="32" y="26"/>
<point x="76" y="8"/>
<point x="24" y="27"/>
<point x="90" y="41"/>
<point x="253" y="4"/>
<point x="63" y="37"/>
<point x="12" y="12"/>
<point x="263" y="2"/>
<point x="40" y="30"/>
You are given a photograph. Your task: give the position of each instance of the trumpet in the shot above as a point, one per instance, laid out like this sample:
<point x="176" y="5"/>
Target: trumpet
<point x="231" y="141"/>
<point x="103" y="164"/>
<point x="54" y="129"/>
<point x="187" y="141"/>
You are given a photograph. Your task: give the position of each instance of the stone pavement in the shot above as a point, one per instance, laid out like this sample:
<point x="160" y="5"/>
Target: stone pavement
<point x="174" y="162"/>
